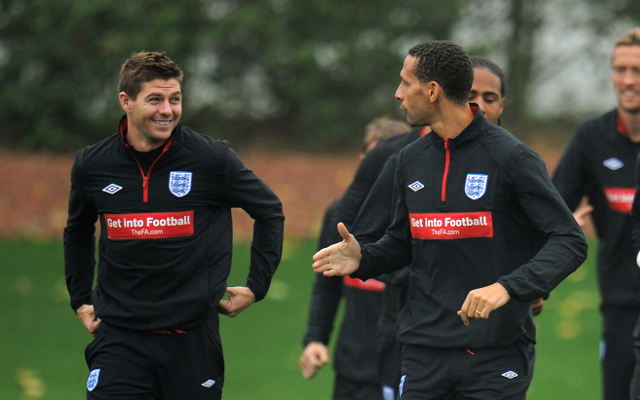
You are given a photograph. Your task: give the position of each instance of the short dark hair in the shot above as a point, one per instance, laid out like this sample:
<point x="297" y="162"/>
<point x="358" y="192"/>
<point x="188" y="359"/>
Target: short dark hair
<point x="144" y="67"/>
<point x="448" y="64"/>
<point x="485" y="63"/>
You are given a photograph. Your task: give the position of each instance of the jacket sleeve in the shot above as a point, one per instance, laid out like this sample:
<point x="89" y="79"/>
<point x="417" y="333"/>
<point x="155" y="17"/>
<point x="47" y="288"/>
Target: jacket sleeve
<point x="564" y="248"/>
<point x="327" y="290"/>
<point x="394" y="249"/>
<point x="245" y="190"/>
<point x="375" y="216"/>
<point x="635" y="213"/>
<point x="571" y="176"/>
<point x="359" y="188"/>
<point x="79" y="240"/>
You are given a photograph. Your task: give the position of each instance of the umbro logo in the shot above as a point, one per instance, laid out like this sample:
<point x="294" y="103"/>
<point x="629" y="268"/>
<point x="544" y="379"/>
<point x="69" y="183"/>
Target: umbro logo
<point x="510" y="375"/>
<point x="112" y="189"/>
<point x="613" y="163"/>
<point x="415" y="186"/>
<point x="209" y="383"/>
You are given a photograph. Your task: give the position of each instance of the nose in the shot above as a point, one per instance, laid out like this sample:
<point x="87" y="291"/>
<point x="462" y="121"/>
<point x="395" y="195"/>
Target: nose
<point x="481" y="104"/>
<point x="165" y="107"/>
<point x="629" y="78"/>
<point x="399" y="95"/>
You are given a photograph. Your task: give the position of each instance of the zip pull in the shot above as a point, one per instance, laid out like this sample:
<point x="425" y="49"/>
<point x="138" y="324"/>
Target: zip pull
<point x="446" y="169"/>
<point x="145" y="184"/>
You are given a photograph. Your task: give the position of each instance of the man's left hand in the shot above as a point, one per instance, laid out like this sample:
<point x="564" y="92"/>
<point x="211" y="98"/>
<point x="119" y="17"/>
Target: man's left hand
<point x="480" y="302"/>
<point x="240" y="297"/>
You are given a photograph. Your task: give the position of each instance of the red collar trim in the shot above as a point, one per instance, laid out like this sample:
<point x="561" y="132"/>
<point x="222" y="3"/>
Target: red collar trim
<point x="621" y="127"/>
<point x="124" y="125"/>
<point x="424" y="131"/>
<point x="474" y="108"/>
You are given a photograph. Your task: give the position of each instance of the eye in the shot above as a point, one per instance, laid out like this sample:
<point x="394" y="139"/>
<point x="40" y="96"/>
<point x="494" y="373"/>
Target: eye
<point x="490" y="99"/>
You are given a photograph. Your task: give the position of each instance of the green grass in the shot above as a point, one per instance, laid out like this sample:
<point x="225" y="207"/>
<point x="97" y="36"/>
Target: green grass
<point x="42" y="342"/>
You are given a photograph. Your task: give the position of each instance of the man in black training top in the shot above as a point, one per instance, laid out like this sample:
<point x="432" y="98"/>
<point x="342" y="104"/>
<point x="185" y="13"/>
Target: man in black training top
<point x="488" y="92"/>
<point x="484" y="232"/>
<point x="163" y="195"/>
<point x="599" y="163"/>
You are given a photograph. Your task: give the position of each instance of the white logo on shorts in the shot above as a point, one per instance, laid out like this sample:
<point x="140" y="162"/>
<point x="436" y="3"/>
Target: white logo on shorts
<point x="510" y="375"/>
<point x="92" y="382"/>
<point x="388" y="393"/>
<point x="209" y="383"/>
<point x="401" y="387"/>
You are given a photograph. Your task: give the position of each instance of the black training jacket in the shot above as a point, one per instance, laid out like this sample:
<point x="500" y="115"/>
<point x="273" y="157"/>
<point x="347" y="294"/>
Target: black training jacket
<point x="469" y="212"/>
<point x="356" y="350"/>
<point x="165" y="232"/>
<point x="367" y="173"/>
<point x="599" y="163"/>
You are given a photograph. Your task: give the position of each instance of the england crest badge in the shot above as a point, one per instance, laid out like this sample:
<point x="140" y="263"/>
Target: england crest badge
<point x="180" y="183"/>
<point x="92" y="382"/>
<point x="475" y="186"/>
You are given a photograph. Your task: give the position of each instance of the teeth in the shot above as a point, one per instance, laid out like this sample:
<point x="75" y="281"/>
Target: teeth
<point x="162" y="122"/>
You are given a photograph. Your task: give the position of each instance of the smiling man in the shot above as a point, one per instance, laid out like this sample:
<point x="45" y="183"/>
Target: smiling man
<point x="163" y="196"/>
<point x="482" y="229"/>
<point x="599" y="164"/>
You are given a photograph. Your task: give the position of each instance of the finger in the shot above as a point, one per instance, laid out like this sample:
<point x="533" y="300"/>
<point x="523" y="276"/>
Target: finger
<point x="329" y="272"/>
<point x="586" y="210"/>
<point x="483" y="308"/>
<point x="322" y="254"/>
<point x="472" y="307"/>
<point x="342" y="230"/>
<point x="224" y="307"/>
<point x="463" y="316"/>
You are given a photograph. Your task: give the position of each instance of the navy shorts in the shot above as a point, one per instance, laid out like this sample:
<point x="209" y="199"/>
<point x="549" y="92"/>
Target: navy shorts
<point x="128" y="364"/>
<point x="455" y="374"/>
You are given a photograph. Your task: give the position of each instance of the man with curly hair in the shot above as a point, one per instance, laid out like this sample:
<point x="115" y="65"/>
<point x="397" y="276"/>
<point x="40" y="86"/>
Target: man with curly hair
<point x="484" y="233"/>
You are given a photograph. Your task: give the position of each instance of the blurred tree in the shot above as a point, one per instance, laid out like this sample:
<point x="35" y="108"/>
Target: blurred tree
<point x="307" y="73"/>
<point x="59" y="63"/>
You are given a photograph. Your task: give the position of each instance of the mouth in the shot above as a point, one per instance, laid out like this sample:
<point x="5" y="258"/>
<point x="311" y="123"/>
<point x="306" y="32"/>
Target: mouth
<point x="161" y="122"/>
<point x="627" y="93"/>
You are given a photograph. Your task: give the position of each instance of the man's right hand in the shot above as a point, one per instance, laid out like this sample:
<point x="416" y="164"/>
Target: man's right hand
<point x="88" y="318"/>
<point x="581" y="215"/>
<point x="339" y="259"/>
<point x="314" y="357"/>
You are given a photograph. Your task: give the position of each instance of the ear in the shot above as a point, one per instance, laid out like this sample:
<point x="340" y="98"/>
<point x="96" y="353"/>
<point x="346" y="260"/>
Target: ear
<point x="125" y="102"/>
<point x="433" y="91"/>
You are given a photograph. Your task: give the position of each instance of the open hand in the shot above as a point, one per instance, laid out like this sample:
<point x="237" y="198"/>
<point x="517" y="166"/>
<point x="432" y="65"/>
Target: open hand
<point x="341" y="258"/>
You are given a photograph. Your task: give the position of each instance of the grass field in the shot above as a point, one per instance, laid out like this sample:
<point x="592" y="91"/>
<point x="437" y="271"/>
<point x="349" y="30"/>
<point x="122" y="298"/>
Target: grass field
<point x="42" y="342"/>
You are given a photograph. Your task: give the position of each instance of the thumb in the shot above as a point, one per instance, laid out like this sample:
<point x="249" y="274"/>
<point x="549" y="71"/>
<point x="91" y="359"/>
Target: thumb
<point x="342" y="230"/>
<point x="324" y="357"/>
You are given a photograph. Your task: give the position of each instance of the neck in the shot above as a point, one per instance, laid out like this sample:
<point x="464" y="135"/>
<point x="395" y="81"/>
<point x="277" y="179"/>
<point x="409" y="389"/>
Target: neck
<point x="631" y="123"/>
<point x="452" y="120"/>
<point x="142" y="145"/>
